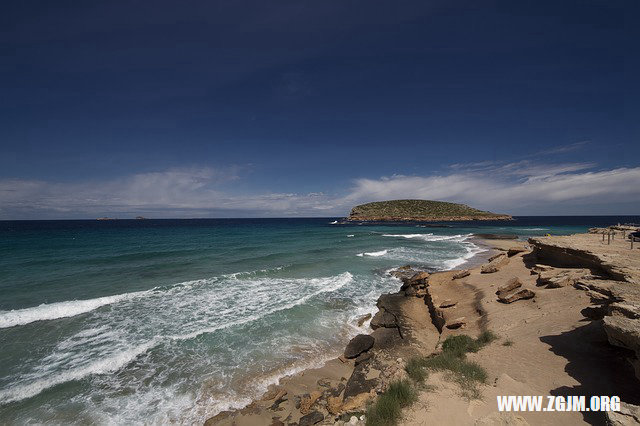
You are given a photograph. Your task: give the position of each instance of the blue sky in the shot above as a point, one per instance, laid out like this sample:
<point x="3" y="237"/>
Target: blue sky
<point x="300" y="108"/>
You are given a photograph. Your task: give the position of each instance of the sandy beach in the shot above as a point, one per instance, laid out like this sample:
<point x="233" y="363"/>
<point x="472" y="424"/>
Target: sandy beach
<point x="564" y="327"/>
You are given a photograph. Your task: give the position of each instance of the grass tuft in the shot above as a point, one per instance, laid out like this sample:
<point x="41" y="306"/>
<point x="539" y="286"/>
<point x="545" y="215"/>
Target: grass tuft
<point x="387" y="409"/>
<point x="486" y="337"/>
<point x="460" y="345"/>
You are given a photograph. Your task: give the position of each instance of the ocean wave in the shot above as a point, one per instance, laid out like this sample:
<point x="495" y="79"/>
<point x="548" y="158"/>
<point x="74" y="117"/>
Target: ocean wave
<point x="333" y="284"/>
<point x="430" y="237"/>
<point x="58" y="310"/>
<point x="71" y="308"/>
<point x="72" y="354"/>
<point x="471" y="251"/>
<point x="106" y="365"/>
<point x="350" y="235"/>
<point x="373" y="253"/>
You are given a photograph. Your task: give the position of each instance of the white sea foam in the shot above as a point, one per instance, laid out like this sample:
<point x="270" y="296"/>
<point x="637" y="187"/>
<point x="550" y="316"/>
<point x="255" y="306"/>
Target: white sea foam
<point x="101" y="366"/>
<point x="471" y="251"/>
<point x="335" y="222"/>
<point x="350" y="235"/>
<point x="177" y="313"/>
<point x="373" y="253"/>
<point x="430" y="237"/>
<point x="57" y="310"/>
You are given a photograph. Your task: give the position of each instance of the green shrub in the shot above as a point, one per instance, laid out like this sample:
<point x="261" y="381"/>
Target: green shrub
<point x="387" y="409"/>
<point x="460" y="345"/>
<point x="415" y="370"/>
<point x="486" y="337"/>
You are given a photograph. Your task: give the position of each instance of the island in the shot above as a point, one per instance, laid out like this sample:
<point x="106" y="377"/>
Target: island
<point x="419" y="211"/>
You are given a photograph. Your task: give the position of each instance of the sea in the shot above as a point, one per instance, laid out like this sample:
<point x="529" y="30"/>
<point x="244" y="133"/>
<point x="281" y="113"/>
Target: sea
<point x="173" y="321"/>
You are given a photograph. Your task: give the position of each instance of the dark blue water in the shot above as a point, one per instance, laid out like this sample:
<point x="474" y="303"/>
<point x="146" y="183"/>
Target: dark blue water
<point x="135" y="321"/>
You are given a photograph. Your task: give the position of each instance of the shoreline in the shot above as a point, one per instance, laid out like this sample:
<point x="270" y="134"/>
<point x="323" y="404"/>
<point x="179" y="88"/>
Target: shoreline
<point x="321" y="368"/>
<point x="551" y="330"/>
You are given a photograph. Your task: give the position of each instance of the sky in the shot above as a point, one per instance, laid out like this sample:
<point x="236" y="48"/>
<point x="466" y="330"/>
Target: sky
<point x="307" y="108"/>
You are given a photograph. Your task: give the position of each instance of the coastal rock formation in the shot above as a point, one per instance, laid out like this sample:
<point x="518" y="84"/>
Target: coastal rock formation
<point x="461" y="274"/>
<point x="523" y="294"/>
<point x="616" y="291"/>
<point x="556" y="277"/>
<point x="506" y="292"/>
<point x="628" y="415"/>
<point x="615" y="261"/>
<point x="419" y="211"/>
<point x="359" y="344"/>
<point x="515" y="250"/>
<point x="495" y="263"/>
<point x="311" y="419"/>
<point x="383" y="319"/>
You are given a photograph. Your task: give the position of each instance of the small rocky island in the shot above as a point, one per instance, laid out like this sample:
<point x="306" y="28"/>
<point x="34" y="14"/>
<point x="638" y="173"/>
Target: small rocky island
<point x="419" y="211"/>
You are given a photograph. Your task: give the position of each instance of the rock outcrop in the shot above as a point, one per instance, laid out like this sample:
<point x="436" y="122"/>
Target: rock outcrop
<point x="495" y="263"/>
<point x="610" y="273"/>
<point x="509" y="292"/>
<point x="359" y="344"/>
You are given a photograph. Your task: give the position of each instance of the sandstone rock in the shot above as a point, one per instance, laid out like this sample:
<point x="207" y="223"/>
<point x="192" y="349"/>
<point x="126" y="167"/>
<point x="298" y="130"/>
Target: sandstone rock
<point x="403" y="273"/>
<point x="359" y="382"/>
<point x="624" y="332"/>
<point x="275" y="421"/>
<point x="363" y="357"/>
<point x="307" y="402"/>
<point x="419" y="278"/>
<point x="421" y="293"/>
<point x="511" y="285"/>
<point x="383" y="319"/>
<point x="448" y="304"/>
<point x="556" y="278"/>
<point x="457" y="323"/>
<point x="495" y="264"/>
<point x="357" y="401"/>
<point x="338" y="389"/>
<point x="274" y="392"/>
<point x="519" y="295"/>
<point x="629" y="310"/>
<point x="489" y="268"/>
<point x="461" y="274"/>
<point x="357" y="345"/>
<point x="311" y="419"/>
<point x="334" y="405"/>
<point x="495" y="256"/>
<point x="515" y="250"/>
<point x="628" y="415"/>
<point x="279" y="400"/>
<point x="410" y="291"/>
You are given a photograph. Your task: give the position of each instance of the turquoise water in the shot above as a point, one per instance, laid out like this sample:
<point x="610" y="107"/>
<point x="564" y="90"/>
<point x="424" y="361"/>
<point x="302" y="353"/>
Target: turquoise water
<point x="125" y="322"/>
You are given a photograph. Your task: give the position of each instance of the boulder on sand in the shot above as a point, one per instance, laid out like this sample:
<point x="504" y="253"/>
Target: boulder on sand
<point x="357" y="345"/>
<point x="511" y="285"/>
<point x="461" y="274"/>
<point x="523" y="294"/>
<point x="556" y="278"/>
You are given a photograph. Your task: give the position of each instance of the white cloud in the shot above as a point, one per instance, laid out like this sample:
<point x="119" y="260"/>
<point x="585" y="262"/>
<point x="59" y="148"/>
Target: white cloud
<point x="172" y="193"/>
<point x="494" y="189"/>
<point x="517" y="188"/>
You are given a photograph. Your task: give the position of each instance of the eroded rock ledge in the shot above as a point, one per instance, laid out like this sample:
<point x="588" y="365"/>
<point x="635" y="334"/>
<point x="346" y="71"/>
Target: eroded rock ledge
<point x="610" y="273"/>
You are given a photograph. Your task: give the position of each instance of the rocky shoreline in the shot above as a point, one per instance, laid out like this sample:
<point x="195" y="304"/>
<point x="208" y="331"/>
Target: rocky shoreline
<point x="532" y="284"/>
